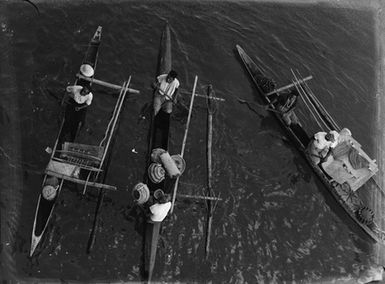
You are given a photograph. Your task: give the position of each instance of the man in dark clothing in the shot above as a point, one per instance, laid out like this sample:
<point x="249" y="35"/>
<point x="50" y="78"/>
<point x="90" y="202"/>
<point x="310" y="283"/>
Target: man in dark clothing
<point x="285" y="104"/>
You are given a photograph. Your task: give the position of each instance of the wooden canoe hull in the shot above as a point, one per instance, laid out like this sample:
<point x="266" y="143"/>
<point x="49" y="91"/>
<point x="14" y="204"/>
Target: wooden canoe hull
<point x="301" y="140"/>
<point x="158" y="138"/>
<point x="44" y="208"/>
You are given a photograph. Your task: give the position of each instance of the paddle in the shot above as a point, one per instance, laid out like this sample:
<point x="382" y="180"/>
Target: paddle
<point x="262" y="107"/>
<point x="294" y="84"/>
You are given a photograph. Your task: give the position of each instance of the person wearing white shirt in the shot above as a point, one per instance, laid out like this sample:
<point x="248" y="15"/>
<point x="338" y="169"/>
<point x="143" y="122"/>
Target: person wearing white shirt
<point x="75" y="115"/>
<point x="159" y="210"/>
<point x="81" y="95"/>
<point x="321" y="144"/>
<point x="166" y="92"/>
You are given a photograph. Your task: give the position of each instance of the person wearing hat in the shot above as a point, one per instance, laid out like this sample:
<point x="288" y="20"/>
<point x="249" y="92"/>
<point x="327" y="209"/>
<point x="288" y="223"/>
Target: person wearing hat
<point x="285" y="104"/>
<point x="166" y="91"/>
<point x="82" y="95"/>
<point x="159" y="210"/>
<point x="321" y="145"/>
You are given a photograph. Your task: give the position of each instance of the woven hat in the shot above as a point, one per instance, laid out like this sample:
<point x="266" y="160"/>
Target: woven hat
<point x="87" y="70"/>
<point x="156" y="172"/>
<point x="49" y="192"/>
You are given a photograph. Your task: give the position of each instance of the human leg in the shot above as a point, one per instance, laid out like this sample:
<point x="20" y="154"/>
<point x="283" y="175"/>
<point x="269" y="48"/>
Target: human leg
<point x="167" y="107"/>
<point x="158" y="100"/>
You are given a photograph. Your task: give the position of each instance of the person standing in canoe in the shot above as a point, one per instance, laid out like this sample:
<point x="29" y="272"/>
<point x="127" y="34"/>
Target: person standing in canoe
<point x="75" y="115"/>
<point x="285" y="104"/>
<point x="80" y="97"/>
<point x="166" y="91"/>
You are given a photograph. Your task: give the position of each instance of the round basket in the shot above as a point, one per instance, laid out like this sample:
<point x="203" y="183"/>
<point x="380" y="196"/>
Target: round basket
<point x="141" y="193"/>
<point x="49" y="192"/>
<point x="158" y="194"/>
<point x="180" y="162"/>
<point x="155" y="155"/>
<point x="365" y="215"/>
<point x="156" y="172"/>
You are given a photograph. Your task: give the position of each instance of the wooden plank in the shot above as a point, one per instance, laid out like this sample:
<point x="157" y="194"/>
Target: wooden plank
<point x="77" y="154"/>
<point x="80" y="181"/>
<point x="88" y="168"/>
<point x="106" y="84"/>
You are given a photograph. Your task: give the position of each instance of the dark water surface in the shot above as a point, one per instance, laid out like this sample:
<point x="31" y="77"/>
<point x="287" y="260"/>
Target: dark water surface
<point x="276" y="222"/>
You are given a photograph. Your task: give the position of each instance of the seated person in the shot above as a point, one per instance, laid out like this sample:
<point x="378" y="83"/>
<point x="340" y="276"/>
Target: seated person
<point x="344" y="135"/>
<point x="321" y="144"/>
<point x="82" y="96"/>
<point x="285" y="104"/>
<point x="159" y="210"/>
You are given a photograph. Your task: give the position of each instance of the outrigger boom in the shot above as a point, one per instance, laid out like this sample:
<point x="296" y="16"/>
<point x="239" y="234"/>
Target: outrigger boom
<point x="106" y="84"/>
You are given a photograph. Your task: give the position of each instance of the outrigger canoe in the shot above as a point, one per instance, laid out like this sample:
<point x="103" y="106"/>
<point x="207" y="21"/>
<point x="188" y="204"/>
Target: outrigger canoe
<point x="348" y="173"/>
<point x="45" y="207"/>
<point x="75" y="162"/>
<point x="158" y="138"/>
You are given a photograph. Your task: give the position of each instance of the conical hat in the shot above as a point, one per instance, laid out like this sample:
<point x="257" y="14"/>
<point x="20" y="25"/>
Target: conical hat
<point x="87" y="70"/>
<point x="155" y="154"/>
<point x="156" y="172"/>
<point x="49" y="192"/>
<point x="180" y="162"/>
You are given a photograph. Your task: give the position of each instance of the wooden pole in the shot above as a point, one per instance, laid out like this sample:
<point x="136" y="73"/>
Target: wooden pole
<point x="289" y="86"/>
<point x="80" y="181"/>
<point x="204" y="96"/>
<point x="199" y="197"/>
<point x="184" y="140"/>
<point x="106" y="84"/>
<point x="210" y="112"/>
<point x="114" y="120"/>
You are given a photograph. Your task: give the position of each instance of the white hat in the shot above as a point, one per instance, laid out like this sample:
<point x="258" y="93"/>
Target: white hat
<point x="49" y="192"/>
<point x="87" y="70"/>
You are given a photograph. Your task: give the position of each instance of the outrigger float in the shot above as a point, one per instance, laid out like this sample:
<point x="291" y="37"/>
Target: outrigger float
<point x="75" y="162"/>
<point x="348" y="172"/>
